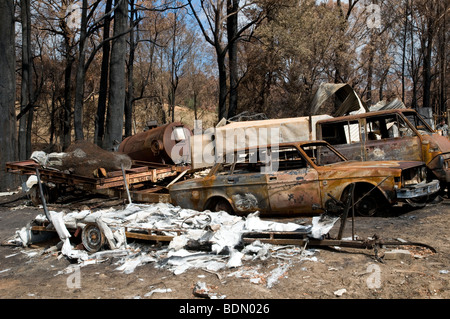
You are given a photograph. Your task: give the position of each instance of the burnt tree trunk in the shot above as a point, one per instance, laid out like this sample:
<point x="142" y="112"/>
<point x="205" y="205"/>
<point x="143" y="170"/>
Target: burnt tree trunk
<point x="232" y="29"/>
<point x="114" y="115"/>
<point x="427" y="47"/>
<point x="130" y="92"/>
<point x="223" y="90"/>
<point x="80" y="78"/>
<point x="104" y="76"/>
<point x="67" y="106"/>
<point x="8" y="139"/>
<point x="25" y="122"/>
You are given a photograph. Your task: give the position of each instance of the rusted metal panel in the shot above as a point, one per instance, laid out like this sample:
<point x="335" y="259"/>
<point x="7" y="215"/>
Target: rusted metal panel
<point x="145" y="197"/>
<point x="409" y="148"/>
<point x="243" y="196"/>
<point x="294" y="191"/>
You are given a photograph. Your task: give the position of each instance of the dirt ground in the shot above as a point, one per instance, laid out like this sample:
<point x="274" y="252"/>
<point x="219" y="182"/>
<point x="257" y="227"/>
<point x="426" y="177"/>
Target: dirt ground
<point x="423" y="276"/>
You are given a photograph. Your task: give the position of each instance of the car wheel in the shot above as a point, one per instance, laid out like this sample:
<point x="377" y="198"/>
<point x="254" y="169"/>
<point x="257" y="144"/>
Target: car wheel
<point x="366" y="206"/>
<point x="50" y="194"/>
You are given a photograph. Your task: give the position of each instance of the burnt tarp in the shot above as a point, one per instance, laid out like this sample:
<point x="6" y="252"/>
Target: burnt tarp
<point x="208" y="147"/>
<point x="346" y="100"/>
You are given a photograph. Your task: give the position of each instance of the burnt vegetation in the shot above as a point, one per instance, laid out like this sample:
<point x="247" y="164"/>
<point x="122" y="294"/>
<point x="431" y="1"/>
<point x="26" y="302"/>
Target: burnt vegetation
<point x="99" y="70"/>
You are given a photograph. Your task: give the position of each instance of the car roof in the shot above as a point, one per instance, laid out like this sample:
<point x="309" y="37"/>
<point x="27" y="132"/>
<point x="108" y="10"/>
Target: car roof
<point x="284" y="144"/>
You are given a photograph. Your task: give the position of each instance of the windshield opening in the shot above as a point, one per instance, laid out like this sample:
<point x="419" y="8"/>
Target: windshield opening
<point x="421" y="126"/>
<point x="322" y="154"/>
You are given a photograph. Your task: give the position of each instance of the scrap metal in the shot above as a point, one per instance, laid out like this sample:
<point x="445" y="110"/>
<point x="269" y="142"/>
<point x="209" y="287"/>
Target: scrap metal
<point x="304" y="238"/>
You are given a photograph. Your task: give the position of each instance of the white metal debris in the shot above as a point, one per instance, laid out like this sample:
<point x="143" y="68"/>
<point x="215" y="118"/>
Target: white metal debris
<point x="201" y="289"/>
<point x="157" y="290"/>
<point x="130" y="263"/>
<point x="322" y="224"/>
<point x="340" y="292"/>
<point x="220" y="232"/>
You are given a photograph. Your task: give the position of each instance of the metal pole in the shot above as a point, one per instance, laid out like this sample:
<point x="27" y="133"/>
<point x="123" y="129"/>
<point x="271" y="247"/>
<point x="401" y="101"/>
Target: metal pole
<point x="346" y="208"/>
<point x="353" y="212"/>
<point x="126" y="184"/>
<point x="41" y="190"/>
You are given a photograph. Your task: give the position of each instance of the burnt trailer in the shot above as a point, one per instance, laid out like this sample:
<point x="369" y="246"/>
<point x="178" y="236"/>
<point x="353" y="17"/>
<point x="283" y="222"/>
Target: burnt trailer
<point x="115" y="183"/>
<point x="154" y="159"/>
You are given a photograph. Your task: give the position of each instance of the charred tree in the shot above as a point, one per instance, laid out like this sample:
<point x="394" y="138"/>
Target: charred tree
<point x="26" y="91"/>
<point x="232" y="32"/>
<point x="80" y="77"/>
<point x="114" y="116"/>
<point x="104" y="77"/>
<point x="8" y="140"/>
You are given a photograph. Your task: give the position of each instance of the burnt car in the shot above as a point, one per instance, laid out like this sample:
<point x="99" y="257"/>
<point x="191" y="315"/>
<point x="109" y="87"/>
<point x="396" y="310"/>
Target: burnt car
<point x="302" y="178"/>
<point x="397" y="134"/>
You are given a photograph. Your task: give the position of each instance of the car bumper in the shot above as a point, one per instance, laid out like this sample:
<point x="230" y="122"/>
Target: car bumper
<point x="418" y="190"/>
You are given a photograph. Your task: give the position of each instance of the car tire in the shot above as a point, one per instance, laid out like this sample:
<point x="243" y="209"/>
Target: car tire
<point x="367" y="206"/>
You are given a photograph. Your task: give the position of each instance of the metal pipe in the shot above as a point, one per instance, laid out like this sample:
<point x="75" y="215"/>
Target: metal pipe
<point x="346" y="209"/>
<point x="41" y="190"/>
<point x="126" y="184"/>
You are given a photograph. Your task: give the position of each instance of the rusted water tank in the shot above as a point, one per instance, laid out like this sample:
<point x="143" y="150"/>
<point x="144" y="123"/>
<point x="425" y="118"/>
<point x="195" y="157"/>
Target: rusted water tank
<point x="168" y="144"/>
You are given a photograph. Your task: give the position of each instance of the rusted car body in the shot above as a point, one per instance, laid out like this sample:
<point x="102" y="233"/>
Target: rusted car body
<point x="400" y="134"/>
<point x="302" y="178"/>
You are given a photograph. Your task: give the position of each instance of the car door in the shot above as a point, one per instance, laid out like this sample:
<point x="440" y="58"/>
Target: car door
<point x="294" y="187"/>
<point x="389" y="137"/>
<point x="244" y="185"/>
<point x="345" y="136"/>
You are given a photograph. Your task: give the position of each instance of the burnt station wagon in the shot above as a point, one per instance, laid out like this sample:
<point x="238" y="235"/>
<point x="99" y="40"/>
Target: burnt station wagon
<point x="302" y="178"/>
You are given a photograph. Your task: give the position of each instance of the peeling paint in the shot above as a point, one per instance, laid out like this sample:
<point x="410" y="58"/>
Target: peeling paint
<point x="378" y="153"/>
<point x="245" y="202"/>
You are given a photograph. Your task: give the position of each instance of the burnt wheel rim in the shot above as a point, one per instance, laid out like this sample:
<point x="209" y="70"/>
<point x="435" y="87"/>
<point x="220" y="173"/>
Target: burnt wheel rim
<point x="92" y="238"/>
<point x="367" y="206"/>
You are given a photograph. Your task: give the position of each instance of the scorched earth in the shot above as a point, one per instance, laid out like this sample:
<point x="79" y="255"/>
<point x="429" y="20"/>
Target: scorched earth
<point x="256" y="271"/>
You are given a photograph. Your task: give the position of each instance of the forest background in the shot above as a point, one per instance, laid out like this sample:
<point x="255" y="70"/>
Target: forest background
<point x="101" y="70"/>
